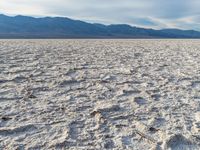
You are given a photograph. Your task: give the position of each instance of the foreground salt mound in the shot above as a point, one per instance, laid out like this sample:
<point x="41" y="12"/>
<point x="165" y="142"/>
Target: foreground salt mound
<point x="179" y="142"/>
<point x="100" y="94"/>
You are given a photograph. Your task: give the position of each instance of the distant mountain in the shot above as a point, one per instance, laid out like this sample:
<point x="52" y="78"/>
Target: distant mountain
<point x="58" y="27"/>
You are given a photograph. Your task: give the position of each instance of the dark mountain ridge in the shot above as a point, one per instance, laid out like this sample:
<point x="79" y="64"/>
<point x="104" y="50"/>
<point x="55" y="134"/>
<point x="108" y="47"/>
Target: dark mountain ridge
<point x="59" y="27"/>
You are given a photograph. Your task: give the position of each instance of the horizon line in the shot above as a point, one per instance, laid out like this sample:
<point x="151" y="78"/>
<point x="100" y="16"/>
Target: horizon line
<point x="65" y="17"/>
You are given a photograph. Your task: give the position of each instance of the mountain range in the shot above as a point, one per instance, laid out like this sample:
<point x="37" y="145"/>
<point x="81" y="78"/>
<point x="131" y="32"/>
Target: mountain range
<point x="60" y="27"/>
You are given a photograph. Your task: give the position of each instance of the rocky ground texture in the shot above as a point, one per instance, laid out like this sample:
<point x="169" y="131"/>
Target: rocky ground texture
<point x="100" y="94"/>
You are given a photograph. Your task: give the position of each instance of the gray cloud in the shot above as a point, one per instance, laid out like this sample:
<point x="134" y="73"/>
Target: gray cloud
<point x="145" y="13"/>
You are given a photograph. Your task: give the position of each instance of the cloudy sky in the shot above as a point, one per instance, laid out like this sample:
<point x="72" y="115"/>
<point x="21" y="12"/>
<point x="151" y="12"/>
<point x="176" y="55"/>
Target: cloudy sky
<point x="183" y="14"/>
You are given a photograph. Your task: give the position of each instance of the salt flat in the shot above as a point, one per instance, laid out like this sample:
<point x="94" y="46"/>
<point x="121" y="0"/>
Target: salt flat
<point x="100" y="94"/>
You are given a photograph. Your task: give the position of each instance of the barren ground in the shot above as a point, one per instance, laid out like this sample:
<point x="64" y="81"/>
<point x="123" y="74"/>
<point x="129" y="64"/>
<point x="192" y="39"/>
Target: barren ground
<point x="100" y="94"/>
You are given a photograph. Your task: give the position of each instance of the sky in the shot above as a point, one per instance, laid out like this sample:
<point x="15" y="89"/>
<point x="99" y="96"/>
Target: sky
<point x="157" y="14"/>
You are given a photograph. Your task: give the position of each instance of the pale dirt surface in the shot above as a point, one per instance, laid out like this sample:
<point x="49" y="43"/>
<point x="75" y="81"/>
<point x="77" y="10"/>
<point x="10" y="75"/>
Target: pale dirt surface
<point x="100" y="94"/>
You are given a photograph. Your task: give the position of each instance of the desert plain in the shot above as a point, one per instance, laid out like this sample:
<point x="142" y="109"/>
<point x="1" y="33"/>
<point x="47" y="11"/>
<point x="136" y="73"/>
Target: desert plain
<point x="100" y="94"/>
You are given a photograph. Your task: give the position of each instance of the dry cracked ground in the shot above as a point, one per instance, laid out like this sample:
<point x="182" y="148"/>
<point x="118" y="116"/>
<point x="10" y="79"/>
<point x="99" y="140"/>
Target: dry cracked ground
<point x="100" y="94"/>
